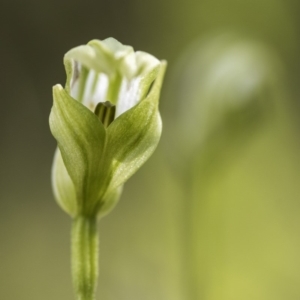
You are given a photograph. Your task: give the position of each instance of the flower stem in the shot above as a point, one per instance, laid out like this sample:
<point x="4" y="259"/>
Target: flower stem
<point x="84" y="248"/>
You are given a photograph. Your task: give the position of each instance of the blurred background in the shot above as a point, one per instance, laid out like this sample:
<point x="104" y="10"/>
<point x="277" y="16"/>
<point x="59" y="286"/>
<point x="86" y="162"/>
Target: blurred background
<point x="214" y="214"/>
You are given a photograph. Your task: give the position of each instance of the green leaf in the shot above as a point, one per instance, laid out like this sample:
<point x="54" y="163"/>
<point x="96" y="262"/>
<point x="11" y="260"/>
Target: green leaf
<point x="134" y="135"/>
<point x="81" y="138"/>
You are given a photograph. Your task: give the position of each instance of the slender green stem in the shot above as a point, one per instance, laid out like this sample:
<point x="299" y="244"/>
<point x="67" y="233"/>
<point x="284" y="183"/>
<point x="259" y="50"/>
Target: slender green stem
<point x="84" y="247"/>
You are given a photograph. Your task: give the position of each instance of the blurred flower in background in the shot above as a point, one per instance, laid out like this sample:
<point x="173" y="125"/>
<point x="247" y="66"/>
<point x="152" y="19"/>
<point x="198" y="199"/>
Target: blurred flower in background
<point x="238" y="162"/>
<point x="225" y="86"/>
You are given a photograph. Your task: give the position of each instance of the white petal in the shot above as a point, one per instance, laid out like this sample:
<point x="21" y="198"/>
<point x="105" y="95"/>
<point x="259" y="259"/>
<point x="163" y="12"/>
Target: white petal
<point x="104" y="61"/>
<point x="116" y="48"/>
<point x="128" y="65"/>
<point x="95" y="89"/>
<point x="145" y="62"/>
<point x="101" y="88"/>
<point x="87" y="95"/>
<point x="129" y="95"/>
<point x="74" y="83"/>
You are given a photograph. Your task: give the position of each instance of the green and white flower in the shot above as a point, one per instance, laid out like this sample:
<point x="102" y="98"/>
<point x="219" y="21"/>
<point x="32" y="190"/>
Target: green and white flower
<point x="106" y="123"/>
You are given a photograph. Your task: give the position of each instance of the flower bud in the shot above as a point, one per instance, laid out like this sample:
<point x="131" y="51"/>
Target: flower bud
<point x="106" y="123"/>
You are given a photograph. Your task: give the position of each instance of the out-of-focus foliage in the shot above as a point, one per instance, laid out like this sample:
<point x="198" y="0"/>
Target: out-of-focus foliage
<point x="218" y="219"/>
<point x="240" y="165"/>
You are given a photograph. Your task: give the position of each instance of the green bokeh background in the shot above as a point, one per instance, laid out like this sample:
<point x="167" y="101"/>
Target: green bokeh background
<point x="244" y="238"/>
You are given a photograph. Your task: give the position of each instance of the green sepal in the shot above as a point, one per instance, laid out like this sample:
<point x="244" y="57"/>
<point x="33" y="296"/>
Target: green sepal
<point x="147" y="79"/>
<point x="81" y="138"/>
<point x="134" y="135"/>
<point x="109" y="202"/>
<point x="63" y="187"/>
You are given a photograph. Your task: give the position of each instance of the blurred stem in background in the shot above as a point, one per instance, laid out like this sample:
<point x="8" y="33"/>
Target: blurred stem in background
<point x="229" y="93"/>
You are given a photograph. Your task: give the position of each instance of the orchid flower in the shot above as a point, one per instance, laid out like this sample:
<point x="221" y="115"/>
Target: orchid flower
<point x="106" y="123"/>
